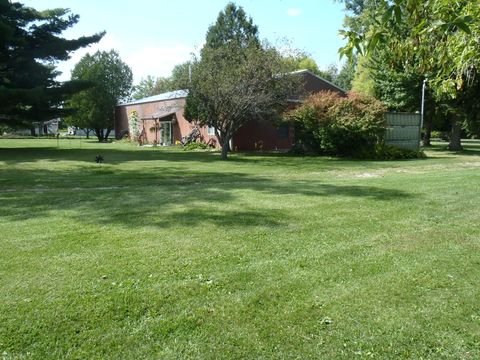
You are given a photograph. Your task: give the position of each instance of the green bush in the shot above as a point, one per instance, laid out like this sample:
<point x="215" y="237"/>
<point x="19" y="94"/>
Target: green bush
<point x="388" y="152"/>
<point x="443" y="135"/>
<point x="196" y="146"/>
<point x="327" y="123"/>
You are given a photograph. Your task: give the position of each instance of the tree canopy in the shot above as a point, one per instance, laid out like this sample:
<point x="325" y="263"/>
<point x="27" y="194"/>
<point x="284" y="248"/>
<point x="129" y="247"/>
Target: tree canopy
<point x="149" y="86"/>
<point x="237" y="78"/>
<point x="233" y="27"/>
<point x="30" y="46"/>
<point x="434" y="39"/>
<point x="111" y="81"/>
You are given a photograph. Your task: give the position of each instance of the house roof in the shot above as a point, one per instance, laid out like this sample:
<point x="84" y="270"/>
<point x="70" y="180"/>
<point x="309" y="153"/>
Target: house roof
<point x="306" y="71"/>
<point x="180" y="94"/>
<point x="177" y="94"/>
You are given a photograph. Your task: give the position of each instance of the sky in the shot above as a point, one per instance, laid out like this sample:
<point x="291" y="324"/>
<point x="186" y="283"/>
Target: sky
<point x="152" y="36"/>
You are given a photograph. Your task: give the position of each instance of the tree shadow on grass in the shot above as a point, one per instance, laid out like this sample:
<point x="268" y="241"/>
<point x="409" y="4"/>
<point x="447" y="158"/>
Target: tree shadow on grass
<point x="470" y="148"/>
<point x="111" y="155"/>
<point x="173" y="197"/>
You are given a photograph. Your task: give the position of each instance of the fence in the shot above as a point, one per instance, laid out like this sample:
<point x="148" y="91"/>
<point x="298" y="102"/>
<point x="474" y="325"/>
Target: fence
<point x="403" y="130"/>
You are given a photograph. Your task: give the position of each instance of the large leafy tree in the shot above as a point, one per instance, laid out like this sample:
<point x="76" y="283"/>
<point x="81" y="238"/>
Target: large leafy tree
<point x="111" y="81"/>
<point x="437" y="39"/>
<point x="30" y="46"/>
<point x="237" y="78"/>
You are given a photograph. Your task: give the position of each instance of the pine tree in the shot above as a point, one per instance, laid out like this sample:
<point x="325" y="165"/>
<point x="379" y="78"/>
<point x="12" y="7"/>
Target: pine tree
<point x="30" y="46"/>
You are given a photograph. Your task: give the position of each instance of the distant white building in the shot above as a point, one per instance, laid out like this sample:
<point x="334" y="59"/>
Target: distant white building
<point x="49" y="127"/>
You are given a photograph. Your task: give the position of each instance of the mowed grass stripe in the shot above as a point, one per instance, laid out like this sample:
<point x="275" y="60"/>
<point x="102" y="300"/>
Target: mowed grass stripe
<point x="159" y="253"/>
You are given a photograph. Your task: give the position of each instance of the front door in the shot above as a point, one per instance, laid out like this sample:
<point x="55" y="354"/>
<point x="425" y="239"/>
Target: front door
<point x="166" y="133"/>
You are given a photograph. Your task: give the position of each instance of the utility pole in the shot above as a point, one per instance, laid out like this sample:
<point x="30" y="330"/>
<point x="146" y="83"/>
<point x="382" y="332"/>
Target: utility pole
<point x="423" y="102"/>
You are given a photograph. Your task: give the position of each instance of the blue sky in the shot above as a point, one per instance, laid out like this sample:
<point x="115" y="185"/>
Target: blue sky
<point x="153" y="36"/>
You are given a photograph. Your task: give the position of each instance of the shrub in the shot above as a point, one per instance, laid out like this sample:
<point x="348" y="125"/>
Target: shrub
<point x="328" y="123"/>
<point x="196" y="146"/>
<point x="442" y="135"/>
<point x="388" y="152"/>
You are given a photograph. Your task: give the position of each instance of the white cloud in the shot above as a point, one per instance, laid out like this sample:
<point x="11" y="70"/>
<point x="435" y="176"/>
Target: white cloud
<point x="294" y="12"/>
<point x="143" y="59"/>
<point x="157" y="60"/>
<point x="107" y="43"/>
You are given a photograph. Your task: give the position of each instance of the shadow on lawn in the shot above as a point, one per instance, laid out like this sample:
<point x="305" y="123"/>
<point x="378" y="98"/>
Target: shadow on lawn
<point x="111" y="155"/>
<point x="470" y="148"/>
<point x="172" y="197"/>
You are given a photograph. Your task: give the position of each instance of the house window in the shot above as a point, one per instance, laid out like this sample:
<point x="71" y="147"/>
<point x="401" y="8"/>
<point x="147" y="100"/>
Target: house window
<point x="210" y="130"/>
<point x="282" y="132"/>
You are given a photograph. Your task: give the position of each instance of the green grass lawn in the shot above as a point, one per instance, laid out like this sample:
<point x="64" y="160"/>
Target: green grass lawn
<point x="160" y="253"/>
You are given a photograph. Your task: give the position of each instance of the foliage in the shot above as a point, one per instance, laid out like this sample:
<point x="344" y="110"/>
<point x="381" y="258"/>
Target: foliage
<point x="346" y="126"/>
<point x="437" y="39"/>
<point x="388" y="152"/>
<point x="180" y="78"/>
<point x="237" y="79"/>
<point x="346" y="75"/>
<point x="233" y="28"/>
<point x="363" y="81"/>
<point x="112" y="82"/>
<point x="30" y="46"/>
<point x="151" y="86"/>
<point x="442" y="135"/>
<point x="196" y="146"/>
<point x="134" y="124"/>
<point x="301" y="61"/>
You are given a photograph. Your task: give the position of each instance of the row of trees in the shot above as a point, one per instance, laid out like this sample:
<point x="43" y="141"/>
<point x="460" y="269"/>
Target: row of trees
<point x="30" y="48"/>
<point x="181" y="75"/>
<point x="400" y="44"/>
<point x="392" y="47"/>
<point x="236" y="78"/>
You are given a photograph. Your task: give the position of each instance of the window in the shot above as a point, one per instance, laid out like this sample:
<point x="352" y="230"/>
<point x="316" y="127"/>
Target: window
<point x="210" y="130"/>
<point x="282" y="132"/>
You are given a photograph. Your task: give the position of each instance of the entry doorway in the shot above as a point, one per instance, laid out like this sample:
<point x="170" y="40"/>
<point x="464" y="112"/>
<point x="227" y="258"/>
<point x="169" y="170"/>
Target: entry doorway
<point x="165" y="133"/>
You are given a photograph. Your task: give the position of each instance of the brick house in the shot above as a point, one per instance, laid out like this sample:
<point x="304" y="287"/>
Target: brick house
<point x="161" y="120"/>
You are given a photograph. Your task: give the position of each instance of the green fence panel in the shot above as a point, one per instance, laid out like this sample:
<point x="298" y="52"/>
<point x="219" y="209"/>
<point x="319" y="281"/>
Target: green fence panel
<point x="403" y="130"/>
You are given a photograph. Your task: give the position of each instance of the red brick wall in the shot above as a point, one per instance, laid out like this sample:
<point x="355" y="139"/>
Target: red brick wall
<point x="263" y="135"/>
<point x="180" y="128"/>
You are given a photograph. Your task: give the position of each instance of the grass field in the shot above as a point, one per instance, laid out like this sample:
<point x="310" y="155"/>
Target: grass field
<point x="160" y="253"/>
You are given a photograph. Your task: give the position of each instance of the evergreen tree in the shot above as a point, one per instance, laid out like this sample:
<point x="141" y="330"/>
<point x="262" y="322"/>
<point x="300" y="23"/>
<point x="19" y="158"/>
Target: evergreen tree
<point x="30" y="46"/>
<point x="232" y="29"/>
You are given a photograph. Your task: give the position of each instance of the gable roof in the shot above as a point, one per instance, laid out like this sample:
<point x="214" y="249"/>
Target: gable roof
<point x="171" y="95"/>
<point x="180" y="94"/>
<point x="306" y="71"/>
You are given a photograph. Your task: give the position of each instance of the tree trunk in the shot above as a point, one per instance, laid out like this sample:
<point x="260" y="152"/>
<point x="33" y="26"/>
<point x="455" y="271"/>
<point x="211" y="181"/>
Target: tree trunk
<point x="107" y="134"/>
<point x="87" y="131"/>
<point x="224" y="151"/>
<point x="428" y="134"/>
<point x="456" y="135"/>
<point x="99" y="134"/>
<point x="32" y="131"/>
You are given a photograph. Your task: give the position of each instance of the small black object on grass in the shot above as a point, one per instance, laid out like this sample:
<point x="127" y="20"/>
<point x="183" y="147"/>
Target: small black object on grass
<point x="99" y="159"/>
